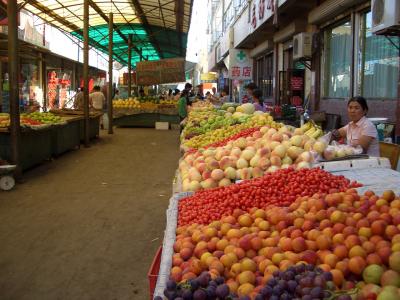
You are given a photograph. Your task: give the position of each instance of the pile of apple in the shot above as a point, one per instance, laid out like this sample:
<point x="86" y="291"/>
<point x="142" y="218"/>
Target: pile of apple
<point x="339" y="151"/>
<point x="223" y="128"/>
<point x="354" y="237"/>
<point x="267" y="150"/>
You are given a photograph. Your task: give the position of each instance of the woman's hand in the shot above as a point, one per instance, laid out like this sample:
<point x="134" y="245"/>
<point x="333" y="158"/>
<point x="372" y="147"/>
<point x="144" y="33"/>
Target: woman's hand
<point x="364" y="142"/>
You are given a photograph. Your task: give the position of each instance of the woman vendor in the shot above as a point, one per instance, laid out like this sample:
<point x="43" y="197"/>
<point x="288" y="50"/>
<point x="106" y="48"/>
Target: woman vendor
<point x="359" y="131"/>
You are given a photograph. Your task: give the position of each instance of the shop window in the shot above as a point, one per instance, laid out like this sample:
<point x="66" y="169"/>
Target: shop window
<point x="337" y="57"/>
<point x="265" y="75"/>
<point x="378" y="63"/>
<point x="229" y="14"/>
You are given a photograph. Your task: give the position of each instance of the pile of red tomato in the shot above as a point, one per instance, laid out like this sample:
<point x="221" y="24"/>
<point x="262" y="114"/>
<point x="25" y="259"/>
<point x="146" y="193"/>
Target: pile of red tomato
<point x="280" y="188"/>
<point x="29" y="121"/>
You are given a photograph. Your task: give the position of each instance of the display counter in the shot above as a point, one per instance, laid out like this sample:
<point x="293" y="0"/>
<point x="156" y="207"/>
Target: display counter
<point x="36" y="146"/>
<point x="147" y="120"/>
<point x="94" y="121"/>
<point x="94" y="127"/>
<point x="67" y="136"/>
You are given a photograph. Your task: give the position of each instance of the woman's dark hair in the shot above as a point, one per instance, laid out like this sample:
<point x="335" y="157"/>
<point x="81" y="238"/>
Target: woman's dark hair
<point x="251" y="86"/>
<point x="360" y="100"/>
<point x="226" y="90"/>
<point x="257" y="94"/>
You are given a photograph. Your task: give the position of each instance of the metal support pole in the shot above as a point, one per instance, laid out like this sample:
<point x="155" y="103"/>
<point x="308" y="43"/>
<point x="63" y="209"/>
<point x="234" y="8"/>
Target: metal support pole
<point x="15" y="134"/>
<point x="129" y="65"/>
<point x="110" y="74"/>
<point x="86" y="69"/>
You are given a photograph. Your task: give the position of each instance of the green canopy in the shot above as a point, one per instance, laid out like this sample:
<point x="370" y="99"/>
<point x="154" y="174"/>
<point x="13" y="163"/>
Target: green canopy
<point x="158" y="28"/>
<point x="167" y="39"/>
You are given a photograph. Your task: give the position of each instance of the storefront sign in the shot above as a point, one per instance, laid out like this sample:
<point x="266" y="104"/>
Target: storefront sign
<point x="160" y="71"/>
<point x="262" y="10"/>
<point x="208" y="76"/>
<point x="125" y="78"/>
<point x="240" y="65"/>
<point x="297" y="83"/>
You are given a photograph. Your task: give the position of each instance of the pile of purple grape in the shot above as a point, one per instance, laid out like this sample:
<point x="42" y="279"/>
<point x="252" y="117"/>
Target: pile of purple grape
<point x="301" y="282"/>
<point x="200" y="288"/>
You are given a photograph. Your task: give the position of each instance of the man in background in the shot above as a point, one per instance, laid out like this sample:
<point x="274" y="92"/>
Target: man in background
<point x="97" y="102"/>
<point x="78" y="102"/>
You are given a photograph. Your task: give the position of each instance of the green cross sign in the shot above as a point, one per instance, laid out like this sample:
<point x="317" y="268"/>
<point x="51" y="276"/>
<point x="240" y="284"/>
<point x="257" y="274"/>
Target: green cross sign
<point x="241" y="55"/>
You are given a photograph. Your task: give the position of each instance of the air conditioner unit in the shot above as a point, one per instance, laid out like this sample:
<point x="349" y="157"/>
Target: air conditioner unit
<point x="302" y="45"/>
<point x="385" y="16"/>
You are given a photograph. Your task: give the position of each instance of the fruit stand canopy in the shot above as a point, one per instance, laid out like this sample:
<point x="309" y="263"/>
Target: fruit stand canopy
<point x="158" y="28"/>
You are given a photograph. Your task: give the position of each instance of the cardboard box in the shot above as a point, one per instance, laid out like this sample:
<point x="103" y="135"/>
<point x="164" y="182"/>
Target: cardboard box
<point x="162" y="125"/>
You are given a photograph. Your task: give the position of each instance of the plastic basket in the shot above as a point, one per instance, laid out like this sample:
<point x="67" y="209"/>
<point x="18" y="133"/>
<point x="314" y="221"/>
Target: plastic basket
<point x="153" y="271"/>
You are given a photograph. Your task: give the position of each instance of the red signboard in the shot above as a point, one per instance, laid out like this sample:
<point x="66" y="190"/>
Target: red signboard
<point x="297" y="83"/>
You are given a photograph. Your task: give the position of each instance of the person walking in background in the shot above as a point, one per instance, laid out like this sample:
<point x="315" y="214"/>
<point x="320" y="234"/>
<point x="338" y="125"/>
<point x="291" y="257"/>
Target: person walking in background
<point x="176" y="94"/>
<point x="183" y="107"/>
<point x="249" y="90"/>
<point x="97" y="99"/>
<point x="188" y="88"/>
<point x="116" y="95"/>
<point x="214" y="92"/>
<point x="258" y="101"/>
<point x="97" y="102"/>
<point x="78" y="102"/>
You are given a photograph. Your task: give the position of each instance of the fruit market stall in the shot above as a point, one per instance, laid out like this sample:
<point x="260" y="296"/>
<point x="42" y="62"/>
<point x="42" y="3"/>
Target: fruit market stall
<point x="43" y="135"/>
<point x="144" y="112"/>
<point x="266" y="215"/>
<point x="345" y="236"/>
<point x="36" y="146"/>
<point x="77" y="116"/>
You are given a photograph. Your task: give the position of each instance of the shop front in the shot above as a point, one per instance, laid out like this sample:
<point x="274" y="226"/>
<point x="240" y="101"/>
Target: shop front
<point x="30" y="91"/>
<point x="355" y="61"/>
<point x="263" y="56"/>
<point x="240" y="73"/>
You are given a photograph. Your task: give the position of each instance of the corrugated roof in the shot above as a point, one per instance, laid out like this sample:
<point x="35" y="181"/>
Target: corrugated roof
<point x="158" y="28"/>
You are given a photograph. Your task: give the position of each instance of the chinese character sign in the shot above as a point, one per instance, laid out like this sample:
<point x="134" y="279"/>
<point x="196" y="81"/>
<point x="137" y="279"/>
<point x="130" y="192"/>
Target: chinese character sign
<point x="240" y="65"/>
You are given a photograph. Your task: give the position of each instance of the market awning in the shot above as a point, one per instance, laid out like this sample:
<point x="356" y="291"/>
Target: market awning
<point x="158" y="28"/>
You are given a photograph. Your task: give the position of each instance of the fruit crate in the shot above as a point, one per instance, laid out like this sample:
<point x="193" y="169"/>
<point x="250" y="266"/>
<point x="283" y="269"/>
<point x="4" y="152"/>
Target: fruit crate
<point x="152" y="275"/>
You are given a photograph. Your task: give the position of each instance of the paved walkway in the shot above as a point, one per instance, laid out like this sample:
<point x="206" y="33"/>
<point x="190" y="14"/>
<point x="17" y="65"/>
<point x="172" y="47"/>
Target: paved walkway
<point x="87" y="225"/>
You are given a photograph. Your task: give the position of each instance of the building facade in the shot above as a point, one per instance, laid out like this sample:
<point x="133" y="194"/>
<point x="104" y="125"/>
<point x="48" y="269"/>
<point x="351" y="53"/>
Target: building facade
<point x="311" y="53"/>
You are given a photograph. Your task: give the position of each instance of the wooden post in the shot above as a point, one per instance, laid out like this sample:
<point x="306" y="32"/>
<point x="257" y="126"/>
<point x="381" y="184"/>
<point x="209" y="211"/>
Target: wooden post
<point x="15" y="133"/>
<point x="86" y="69"/>
<point x="110" y="74"/>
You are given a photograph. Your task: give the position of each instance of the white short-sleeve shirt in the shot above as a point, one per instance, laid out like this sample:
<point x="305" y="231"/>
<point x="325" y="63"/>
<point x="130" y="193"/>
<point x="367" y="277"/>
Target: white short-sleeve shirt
<point x="97" y="99"/>
<point x="354" y="131"/>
